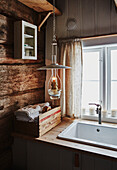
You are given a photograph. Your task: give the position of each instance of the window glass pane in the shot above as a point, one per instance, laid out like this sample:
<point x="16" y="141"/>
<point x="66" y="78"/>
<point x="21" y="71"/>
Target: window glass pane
<point x="113" y="79"/>
<point x="114" y="65"/>
<point x="91" y="66"/>
<point x="113" y="95"/>
<point x="90" y="93"/>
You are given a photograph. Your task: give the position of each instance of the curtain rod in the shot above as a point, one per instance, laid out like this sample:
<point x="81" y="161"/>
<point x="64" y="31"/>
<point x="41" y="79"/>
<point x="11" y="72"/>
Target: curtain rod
<point x="87" y="38"/>
<point x="99" y="36"/>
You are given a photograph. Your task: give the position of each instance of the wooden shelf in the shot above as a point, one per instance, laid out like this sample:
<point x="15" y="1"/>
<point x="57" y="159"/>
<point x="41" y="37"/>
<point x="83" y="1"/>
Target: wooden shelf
<point x="28" y="47"/>
<point x="31" y="57"/>
<point x="28" y="36"/>
<point x="40" y="5"/>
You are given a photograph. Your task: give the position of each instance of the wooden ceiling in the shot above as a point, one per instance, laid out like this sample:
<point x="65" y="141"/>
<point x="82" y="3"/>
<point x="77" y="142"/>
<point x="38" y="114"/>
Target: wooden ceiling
<point x="40" y="5"/>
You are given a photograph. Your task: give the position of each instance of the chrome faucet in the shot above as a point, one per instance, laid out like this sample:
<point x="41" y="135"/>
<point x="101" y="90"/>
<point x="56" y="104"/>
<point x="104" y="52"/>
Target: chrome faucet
<point x="98" y="111"/>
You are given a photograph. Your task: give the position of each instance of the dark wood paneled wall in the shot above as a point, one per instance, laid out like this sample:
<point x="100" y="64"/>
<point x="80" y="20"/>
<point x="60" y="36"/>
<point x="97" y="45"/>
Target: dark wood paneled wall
<point x="94" y="17"/>
<point x="20" y="82"/>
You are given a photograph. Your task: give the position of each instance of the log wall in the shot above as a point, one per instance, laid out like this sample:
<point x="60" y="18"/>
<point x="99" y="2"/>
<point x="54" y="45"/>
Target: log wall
<point x="20" y="82"/>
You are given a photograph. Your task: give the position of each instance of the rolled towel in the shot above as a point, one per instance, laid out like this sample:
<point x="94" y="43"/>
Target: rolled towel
<point x="31" y="112"/>
<point x="46" y="109"/>
<point x="26" y="119"/>
<point x="42" y="105"/>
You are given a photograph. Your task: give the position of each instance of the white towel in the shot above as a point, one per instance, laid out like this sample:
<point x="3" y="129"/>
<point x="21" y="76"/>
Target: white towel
<point x="30" y="112"/>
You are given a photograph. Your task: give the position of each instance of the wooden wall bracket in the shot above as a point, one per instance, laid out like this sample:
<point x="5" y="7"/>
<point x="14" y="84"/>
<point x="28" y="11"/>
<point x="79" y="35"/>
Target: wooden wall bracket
<point x="47" y="16"/>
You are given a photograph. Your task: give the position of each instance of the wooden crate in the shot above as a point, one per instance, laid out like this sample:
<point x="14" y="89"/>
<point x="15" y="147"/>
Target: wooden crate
<point x="47" y="121"/>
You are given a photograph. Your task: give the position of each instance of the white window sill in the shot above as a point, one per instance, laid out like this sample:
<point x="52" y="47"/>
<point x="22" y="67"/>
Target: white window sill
<point x="95" y="117"/>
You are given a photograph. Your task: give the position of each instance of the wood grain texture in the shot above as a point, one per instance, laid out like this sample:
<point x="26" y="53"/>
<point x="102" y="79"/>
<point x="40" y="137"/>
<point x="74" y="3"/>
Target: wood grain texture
<point x="20" y="82"/>
<point x="19" y="100"/>
<point x="15" y="9"/>
<point x="60" y="22"/>
<point x="7" y="55"/>
<point x="20" y="78"/>
<point x="46" y="122"/>
<point x="102" y="17"/>
<point x="6" y="29"/>
<point x="6" y="42"/>
<point x="49" y="122"/>
<point x="74" y="14"/>
<point x="6" y="51"/>
<point x="40" y="5"/>
<point x="88" y="18"/>
<point x="92" y="18"/>
<point x="41" y="41"/>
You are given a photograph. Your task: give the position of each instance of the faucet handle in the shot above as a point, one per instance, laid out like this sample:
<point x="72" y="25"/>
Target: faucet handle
<point x="98" y="110"/>
<point x="98" y="105"/>
<point x="95" y="104"/>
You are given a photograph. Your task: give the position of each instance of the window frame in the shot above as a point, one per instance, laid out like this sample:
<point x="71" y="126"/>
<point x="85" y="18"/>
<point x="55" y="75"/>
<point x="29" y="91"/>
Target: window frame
<point x="105" y="79"/>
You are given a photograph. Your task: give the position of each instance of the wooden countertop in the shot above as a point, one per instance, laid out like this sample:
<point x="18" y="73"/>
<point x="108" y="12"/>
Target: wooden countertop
<point x="51" y="138"/>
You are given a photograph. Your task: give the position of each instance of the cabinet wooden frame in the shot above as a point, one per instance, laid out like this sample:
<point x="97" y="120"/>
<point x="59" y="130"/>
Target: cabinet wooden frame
<point x="25" y="40"/>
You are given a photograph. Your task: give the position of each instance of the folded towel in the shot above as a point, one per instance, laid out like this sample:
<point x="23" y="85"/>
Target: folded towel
<point x="26" y="119"/>
<point x="30" y="112"/>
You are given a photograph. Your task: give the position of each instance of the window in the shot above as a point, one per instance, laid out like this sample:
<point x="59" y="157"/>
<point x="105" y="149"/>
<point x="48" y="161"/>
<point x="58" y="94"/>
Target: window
<point x="112" y="78"/>
<point x="99" y="81"/>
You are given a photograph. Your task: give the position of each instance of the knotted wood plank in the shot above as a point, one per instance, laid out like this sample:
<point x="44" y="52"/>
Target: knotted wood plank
<point x="18" y="11"/>
<point x="7" y="56"/>
<point x="6" y="51"/>
<point x="11" y="103"/>
<point x="6" y="29"/>
<point x="19" y="78"/>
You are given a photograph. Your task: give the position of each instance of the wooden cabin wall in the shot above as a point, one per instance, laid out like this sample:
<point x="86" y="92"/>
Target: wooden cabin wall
<point x="94" y="17"/>
<point x="20" y="83"/>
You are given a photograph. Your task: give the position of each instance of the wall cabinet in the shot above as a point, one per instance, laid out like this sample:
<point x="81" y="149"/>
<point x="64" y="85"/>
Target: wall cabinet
<point x="25" y="40"/>
<point x="33" y="156"/>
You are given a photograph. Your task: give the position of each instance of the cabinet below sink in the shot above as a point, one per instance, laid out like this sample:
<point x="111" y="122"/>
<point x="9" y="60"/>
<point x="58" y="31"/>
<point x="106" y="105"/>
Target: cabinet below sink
<point x="43" y="156"/>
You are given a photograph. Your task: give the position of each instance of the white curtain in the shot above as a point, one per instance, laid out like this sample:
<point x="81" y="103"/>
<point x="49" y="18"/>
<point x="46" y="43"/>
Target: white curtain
<point x="71" y="55"/>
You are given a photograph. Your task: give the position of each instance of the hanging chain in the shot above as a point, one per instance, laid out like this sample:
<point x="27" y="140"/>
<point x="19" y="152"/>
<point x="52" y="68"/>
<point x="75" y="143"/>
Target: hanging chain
<point x="54" y="31"/>
<point x="54" y="43"/>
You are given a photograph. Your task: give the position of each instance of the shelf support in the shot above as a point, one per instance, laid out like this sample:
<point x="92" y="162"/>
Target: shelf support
<point x="47" y="16"/>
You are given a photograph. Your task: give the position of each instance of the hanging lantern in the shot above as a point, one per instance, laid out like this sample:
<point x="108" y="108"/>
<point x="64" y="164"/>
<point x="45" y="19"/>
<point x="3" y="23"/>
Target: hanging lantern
<point x="54" y="84"/>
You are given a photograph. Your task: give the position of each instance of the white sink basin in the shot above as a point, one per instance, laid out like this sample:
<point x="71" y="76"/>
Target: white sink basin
<point x="96" y="135"/>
